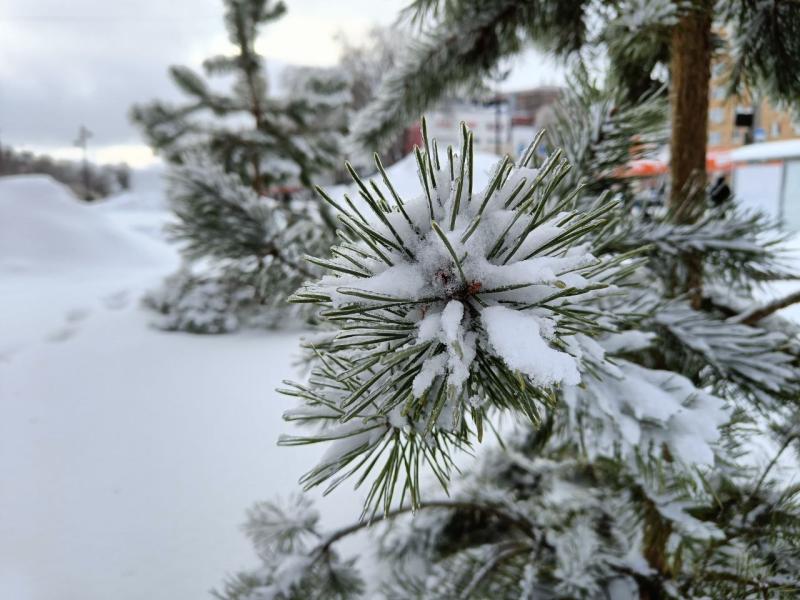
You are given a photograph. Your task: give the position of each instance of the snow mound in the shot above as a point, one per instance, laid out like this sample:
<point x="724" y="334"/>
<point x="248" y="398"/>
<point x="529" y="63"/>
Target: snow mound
<point x="44" y="228"/>
<point x="147" y="193"/>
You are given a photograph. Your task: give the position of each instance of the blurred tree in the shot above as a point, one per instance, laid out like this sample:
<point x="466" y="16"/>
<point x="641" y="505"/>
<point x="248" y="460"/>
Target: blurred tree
<point x="365" y="65"/>
<point x="266" y="141"/>
<point x="228" y="151"/>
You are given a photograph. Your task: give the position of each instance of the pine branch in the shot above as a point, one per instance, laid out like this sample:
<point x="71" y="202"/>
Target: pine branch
<point x="765" y="48"/>
<point x="755" y="315"/>
<point x="601" y="131"/>
<point x="487" y="509"/>
<point x="720" y="352"/>
<point x="769" y="467"/>
<point x="434" y="387"/>
<point x="763" y="584"/>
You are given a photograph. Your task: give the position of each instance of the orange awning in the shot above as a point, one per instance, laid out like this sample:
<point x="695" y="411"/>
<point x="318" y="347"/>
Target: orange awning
<point x="644" y="167"/>
<point x="717" y="161"/>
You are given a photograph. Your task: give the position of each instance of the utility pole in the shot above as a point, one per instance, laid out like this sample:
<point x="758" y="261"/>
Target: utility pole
<point x="497" y="123"/>
<point x="497" y="77"/>
<point x="83" y="138"/>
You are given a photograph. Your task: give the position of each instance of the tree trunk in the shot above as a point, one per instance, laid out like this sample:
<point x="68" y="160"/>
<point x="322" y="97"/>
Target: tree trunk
<point x="656" y="536"/>
<point x="690" y="71"/>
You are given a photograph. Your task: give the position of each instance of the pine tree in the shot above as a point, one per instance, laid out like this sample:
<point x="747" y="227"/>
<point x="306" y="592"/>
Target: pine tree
<point x="555" y="302"/>
<point x="265" y="140"/>
<point x="244" y="251"/>
<point x="228" y="152"/>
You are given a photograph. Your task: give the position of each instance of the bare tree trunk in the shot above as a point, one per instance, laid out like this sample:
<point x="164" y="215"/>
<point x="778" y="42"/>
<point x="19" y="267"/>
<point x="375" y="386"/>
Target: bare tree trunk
<point x="690" y="71"/>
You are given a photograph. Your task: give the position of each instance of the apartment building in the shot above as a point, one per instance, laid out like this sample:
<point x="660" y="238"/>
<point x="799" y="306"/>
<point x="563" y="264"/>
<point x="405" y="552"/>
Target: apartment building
<point x="732" y="122"/>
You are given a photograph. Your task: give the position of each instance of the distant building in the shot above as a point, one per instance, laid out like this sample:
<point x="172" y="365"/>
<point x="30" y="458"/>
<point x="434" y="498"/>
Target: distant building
<point x="505" y="123"/>
<point x="529" y="110"/>
<point x="733" y="122"/>
<point x="490" y="126"/>
<point x="766" y="177"/>
<point x="526" y="104"/>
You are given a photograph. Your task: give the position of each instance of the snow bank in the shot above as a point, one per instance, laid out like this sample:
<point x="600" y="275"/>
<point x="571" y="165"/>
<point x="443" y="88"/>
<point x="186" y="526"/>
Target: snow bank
<point x="147" y="193"/>
<point x="127" y="455"/>
<point x="44" y="228"/>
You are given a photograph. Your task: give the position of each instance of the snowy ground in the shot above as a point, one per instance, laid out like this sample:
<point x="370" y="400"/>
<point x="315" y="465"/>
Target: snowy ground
<point x="127" y="455"/>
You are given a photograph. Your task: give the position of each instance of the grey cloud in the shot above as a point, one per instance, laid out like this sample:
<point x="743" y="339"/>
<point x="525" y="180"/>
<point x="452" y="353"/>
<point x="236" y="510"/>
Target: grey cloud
<point x="62" y="64"/>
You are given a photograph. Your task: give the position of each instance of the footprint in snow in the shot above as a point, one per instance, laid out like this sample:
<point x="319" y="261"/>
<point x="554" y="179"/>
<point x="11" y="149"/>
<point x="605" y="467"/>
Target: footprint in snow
<point x="117" y="300"/>
<point x="77" y="314"/>
<point x="61" y="335"/>
<point x="7" y="352"/>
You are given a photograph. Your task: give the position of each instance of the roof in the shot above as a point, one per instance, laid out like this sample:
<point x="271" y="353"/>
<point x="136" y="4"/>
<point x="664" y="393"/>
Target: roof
<point x="767" y="151"/>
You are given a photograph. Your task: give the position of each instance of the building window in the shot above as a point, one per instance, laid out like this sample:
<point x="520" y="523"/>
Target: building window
<point x="714" y="138"/>
<point x="797" y="126"/>
<point x="717" y="69"/>
<point x="717" y="115"/>
<point x="775" y="131"/>
<point x="718" y="93"/>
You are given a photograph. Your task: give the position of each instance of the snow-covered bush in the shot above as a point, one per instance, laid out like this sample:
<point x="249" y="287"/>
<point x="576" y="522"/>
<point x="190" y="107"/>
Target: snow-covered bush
<point x="188" y="302"/>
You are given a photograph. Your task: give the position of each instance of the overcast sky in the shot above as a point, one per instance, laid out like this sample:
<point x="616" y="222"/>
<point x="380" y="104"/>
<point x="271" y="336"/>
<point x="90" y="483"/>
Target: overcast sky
<point x="67" y="62"/>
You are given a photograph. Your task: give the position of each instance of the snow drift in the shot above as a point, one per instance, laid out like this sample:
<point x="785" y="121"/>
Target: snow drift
<point x="44" y="228"/>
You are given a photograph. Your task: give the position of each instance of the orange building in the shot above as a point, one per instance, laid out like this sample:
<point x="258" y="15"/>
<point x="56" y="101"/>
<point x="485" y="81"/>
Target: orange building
<point x="770" y="123"/>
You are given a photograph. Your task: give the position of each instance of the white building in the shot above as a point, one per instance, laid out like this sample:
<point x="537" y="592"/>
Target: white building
<point x="490" y="126"/>
<point x="766" y="177"/>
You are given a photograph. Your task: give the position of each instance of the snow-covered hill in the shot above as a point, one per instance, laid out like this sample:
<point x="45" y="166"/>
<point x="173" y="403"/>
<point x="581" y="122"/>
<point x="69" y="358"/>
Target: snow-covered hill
<point x="127" y="455"/>
<point x="44" y="228"/>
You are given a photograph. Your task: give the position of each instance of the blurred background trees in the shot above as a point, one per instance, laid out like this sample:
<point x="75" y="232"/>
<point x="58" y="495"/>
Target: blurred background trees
<point x="90" y="183"/>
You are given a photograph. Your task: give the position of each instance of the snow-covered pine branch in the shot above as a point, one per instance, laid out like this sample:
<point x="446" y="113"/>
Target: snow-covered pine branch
<point x="601" y="131"/>
<point x="726" y="354"/>
<point x="759" y="313"/>
<point x="738" y="246"/>
<point x="644" y="479"/>
<point x="447" y="306"/>
<point x="284" y="536"/>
